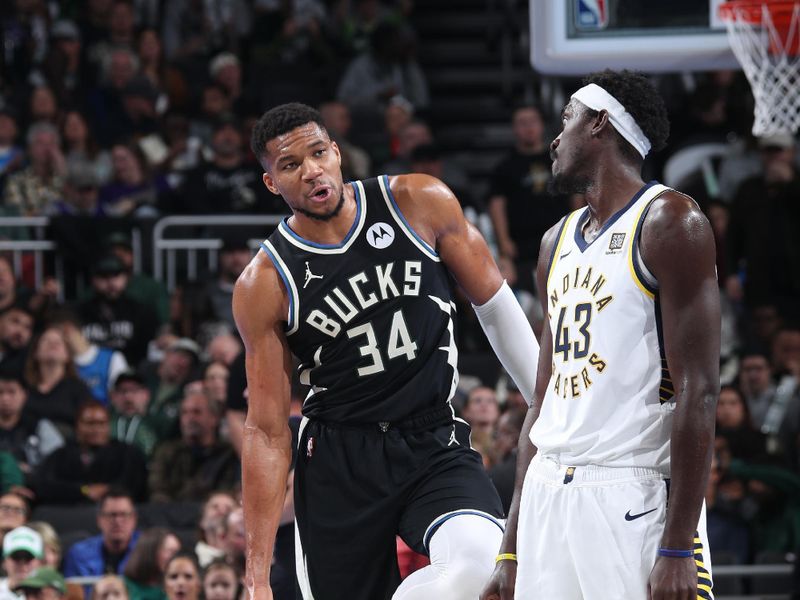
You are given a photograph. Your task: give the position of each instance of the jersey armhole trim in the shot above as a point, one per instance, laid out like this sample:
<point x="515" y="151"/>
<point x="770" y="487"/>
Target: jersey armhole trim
<point x="559" y="242"/>
<point x="641" y="275"/>
<point x="391" y="203"/>
<point x="288" y="281"/>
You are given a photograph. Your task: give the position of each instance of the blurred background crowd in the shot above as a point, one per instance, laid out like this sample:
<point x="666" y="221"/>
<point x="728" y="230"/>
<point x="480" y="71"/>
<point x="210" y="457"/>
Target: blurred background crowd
<point x="122" y="396"/>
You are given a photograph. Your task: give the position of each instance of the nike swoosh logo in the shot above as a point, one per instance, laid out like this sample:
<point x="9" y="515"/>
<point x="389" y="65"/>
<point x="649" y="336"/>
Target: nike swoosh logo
<point x="630" y="517"/>
<point x="565" y="254"/>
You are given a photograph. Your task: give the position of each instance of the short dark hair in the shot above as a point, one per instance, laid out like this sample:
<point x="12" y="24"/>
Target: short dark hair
<point x="116" y="492"/>
<point x="641" y="99"/>
<point x="279" y="120"/>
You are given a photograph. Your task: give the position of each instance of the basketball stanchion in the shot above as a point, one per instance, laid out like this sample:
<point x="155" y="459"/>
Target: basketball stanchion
<point x="765" y="37"/>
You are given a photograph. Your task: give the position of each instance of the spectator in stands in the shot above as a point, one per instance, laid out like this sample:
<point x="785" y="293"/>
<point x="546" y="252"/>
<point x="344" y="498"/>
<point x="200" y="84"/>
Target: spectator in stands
<point x="141" y="286"/>
<point x="113" y="319"/>
<point x="199" y="462"/>
<point x="130" y="400"/>
<point x="80" y="194"/>
<point x="764" y="208"/>
<point x="80" y="147"/>
<point x="519" y="203"/>
<point x="62" y="67"/>
<point x="234" y="255"/>
<point x="220" y="581"/>
<point x="45" y="583"/>
<point x="97" y="366"/>
<point x="211" y="545"/>
<point x="412" y="134"/>
<point x="55" y="390"/>
<point x="33" y="189"/>
<point x="50" y="542"/>
<point x="28" y="438"/>
<point x="166" y="380"/>
<point x="85" y="469"/>
<point x="14" y="512"/>
<point x="43" y="107"/>
<point x="223" y="347"/>
<point x="226" y="184"/>
<point x="387" y="70"/>
<point x="133" y="189"/>
<point x="215" y="383"/>
<point x="355" y="160"/>
<point x="109" y="587"/>
<point x="109" y="551"/>
<point x="22" y="554"/>
<point x="755" y="382"/>
<point x="185" y="150"/>
<point x="11" y="155"/>
<point x="119" y="66"/>
<point x="234" y="537"/>
<point x="504" y="453"/>
<point x="226" y="71"/>
<point x="214" y="105"/>
<point x="16" y="328"/>
<point x="144" y="573"/>
<point x="481" y="412"/>
<point x="734" y="424"/>
<point x="169" y="83"/>
<point x="182" y="578"/>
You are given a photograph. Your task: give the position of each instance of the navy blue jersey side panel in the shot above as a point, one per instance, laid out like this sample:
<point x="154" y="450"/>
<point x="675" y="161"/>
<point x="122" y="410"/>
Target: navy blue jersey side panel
<point x="374" y="331"/>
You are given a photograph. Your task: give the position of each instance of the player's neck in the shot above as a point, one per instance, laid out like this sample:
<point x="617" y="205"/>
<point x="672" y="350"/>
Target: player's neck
<point x="331" y="231"/>
<point x="612" y="188"/>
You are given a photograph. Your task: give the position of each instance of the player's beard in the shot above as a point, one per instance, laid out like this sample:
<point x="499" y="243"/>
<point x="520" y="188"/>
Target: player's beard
<point x="324" y="216"/>
<point x="565" y="184"/>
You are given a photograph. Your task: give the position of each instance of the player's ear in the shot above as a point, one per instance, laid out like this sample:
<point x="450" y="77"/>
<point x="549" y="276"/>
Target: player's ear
<point x="600" y="122"/>
<point x="337" y="152"/>
<point x="270" y="183"/>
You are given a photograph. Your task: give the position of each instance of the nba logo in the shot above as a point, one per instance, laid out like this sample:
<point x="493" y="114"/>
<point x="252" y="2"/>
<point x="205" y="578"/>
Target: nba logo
<point x="591" y="14"/>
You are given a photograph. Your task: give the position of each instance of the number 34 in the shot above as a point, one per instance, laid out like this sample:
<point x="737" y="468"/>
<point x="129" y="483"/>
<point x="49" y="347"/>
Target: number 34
<point x="400" y="344"/>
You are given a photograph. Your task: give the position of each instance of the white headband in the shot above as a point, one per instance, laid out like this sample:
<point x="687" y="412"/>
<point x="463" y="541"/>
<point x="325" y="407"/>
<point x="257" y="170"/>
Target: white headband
<point x="597" y="98"/>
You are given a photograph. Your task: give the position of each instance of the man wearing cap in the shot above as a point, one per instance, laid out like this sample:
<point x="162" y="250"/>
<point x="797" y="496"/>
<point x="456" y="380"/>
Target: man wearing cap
<point x="45" y="583"/>
<point x="130" y="422"/>
<point x="141" y="287"/>
<point x="23" y="552"/>
<point x="113" y="319"/>
<point x="763" y="238"/>
<point x="165" y="381"/>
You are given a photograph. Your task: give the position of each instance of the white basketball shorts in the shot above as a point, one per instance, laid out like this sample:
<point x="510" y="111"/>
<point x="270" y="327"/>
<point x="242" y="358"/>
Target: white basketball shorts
<point x="591" y="533"/>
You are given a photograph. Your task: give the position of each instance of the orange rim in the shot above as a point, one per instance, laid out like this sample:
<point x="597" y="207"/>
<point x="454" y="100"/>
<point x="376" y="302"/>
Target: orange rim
<point x="751" y="11"/>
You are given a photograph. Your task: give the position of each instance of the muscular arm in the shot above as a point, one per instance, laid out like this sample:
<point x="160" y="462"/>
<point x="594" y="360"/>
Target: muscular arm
<point x="259" y="307"/>
<point x="678" y="248"/>
<point x="501" y="585"/>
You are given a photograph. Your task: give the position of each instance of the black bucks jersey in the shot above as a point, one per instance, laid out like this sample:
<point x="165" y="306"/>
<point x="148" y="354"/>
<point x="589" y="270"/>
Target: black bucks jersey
<point x="370" y="319"/>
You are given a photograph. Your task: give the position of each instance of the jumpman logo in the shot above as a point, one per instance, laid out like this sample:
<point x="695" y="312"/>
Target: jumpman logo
<point x="453" y="439"/>
<point x="310" y="276"/>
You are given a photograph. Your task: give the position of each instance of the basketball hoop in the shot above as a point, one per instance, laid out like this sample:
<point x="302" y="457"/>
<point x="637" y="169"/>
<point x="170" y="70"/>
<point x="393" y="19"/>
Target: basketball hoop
<point x="765" y="37"/>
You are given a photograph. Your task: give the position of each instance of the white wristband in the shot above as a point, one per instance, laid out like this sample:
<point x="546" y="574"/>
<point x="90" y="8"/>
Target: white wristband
<point x="511" y="337"/>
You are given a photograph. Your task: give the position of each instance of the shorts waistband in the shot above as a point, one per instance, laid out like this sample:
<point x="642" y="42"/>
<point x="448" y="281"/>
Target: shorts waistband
<point x="430" y="419"/>
<point x="551" y="471"/>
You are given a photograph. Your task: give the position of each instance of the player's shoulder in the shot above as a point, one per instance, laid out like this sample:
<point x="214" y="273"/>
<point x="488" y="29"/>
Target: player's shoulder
<point x="674" y="211"/>
<point x="258" y="293"/>
<point x="418" y="188"/>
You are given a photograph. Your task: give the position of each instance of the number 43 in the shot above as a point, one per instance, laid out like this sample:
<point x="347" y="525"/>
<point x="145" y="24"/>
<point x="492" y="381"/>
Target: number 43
<point x="400" y="344"/>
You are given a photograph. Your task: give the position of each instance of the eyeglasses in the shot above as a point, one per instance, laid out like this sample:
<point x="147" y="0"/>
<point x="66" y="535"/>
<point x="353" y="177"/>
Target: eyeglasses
<point x="10" y="508"/>
<point x="117" y="515"/>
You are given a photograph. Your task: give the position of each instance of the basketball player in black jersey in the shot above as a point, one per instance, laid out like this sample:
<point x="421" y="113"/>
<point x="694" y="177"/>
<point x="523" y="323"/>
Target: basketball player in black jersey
<point x="356" y="284"/>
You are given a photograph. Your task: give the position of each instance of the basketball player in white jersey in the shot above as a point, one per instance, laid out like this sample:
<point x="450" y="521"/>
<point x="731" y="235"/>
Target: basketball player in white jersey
<point x="616" y="448"/>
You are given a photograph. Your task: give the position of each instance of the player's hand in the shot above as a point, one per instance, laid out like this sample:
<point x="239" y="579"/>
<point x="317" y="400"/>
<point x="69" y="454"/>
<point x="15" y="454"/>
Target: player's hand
<point x="258" y="593"/>
<point x="501" y="584"/>
<point x="673" y="579"/>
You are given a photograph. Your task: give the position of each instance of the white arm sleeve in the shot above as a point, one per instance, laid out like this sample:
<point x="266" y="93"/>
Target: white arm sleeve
<point x="512" y="338"/>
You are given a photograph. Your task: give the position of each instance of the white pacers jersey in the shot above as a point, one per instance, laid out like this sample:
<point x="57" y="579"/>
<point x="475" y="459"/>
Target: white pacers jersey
<point x="610" y="398"/>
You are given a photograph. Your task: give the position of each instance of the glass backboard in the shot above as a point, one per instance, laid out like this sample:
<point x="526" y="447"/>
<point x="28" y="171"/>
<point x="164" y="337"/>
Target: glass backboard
<point x="574" y="37"/>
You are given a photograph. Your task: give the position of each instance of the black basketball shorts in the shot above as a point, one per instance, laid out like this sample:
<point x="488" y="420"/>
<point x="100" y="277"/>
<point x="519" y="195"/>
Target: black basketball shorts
<point x="356" y="488"/>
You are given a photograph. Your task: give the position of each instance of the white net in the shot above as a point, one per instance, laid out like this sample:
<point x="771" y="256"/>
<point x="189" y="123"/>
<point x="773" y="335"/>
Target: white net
<point x="769" y="58"/>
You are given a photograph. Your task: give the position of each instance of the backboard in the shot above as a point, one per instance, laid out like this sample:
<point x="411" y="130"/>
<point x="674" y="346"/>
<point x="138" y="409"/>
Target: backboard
<point x="575" y="37"/>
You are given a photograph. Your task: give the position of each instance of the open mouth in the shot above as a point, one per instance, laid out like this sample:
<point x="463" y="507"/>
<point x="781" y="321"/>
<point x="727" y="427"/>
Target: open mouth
<point x="321" y="194"/>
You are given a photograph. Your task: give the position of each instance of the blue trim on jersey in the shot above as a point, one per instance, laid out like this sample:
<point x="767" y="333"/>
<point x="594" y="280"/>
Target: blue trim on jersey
<point x="582" y="243"/>
<point x="289" y="323"/>
<point x="555" y="246"/>
<point x="403" y="219"/>
<point x="285" y="226"/>
<point x="643" y="279"/>
<point x="441" y="520"/>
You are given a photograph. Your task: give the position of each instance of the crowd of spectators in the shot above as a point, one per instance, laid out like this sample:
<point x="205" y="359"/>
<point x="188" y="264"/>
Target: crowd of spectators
<point x="118" y="395"/>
